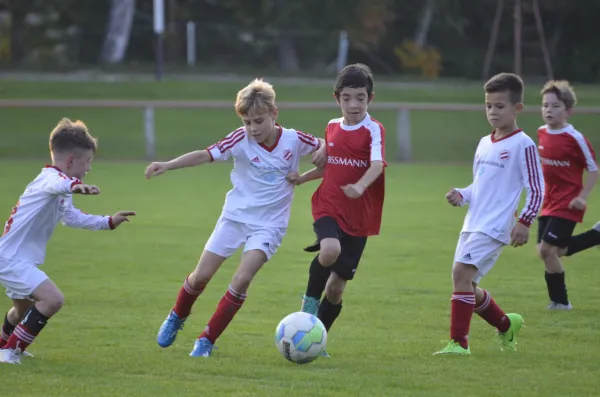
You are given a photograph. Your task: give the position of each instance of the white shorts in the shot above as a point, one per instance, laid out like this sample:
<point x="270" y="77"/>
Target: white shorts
<point x="20" y="278"/>
<point x="229" y="235"/>
<point x="479" y="250"/>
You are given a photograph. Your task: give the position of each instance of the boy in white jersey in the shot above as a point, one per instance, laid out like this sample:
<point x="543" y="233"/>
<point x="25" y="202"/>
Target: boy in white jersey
<point x="506" y="162"/>
<point x="46" y="201"/>
<point x="256" y="210"/>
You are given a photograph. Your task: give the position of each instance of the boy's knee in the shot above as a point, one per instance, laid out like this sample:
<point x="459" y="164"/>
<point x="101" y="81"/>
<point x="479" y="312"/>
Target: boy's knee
<point x="547" y="251"/>
<point x="463" y="273"/>
<point x="335" y="288"/>
<point x="330" y="251"/>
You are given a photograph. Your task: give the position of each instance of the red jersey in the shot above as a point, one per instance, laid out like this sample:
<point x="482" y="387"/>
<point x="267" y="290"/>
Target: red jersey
<point x="565" y="154"/>
<point x="350" y="151"/>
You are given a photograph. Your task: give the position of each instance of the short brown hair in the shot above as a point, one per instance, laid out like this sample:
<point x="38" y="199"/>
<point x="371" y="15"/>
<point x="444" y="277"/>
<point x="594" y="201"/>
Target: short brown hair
<point x="357" y="75"/>
<point x="70" y="135"/>
<point x="257" y="95"/>
<point x="563" y="91"/>
<point x="506" y="82"/>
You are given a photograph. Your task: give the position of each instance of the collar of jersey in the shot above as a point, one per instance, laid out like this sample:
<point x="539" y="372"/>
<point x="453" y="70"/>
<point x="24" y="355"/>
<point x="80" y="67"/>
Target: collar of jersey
<point x="357" y="126"/>
<point x="515" y="132"/>
<point x="53" y="166"/>
<point x="568" y="128"/>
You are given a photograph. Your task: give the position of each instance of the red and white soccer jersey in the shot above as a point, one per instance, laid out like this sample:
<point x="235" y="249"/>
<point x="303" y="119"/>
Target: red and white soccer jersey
<point x="47" y="200"/>
<point x="261" y="195"/>
<point x="565" y="154"/>
<point x="501" y="170"/>
<point x="350" y="151"/>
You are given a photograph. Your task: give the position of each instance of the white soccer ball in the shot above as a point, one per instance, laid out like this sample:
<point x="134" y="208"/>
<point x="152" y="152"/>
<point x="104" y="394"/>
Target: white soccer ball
<point x="301" y="337"/>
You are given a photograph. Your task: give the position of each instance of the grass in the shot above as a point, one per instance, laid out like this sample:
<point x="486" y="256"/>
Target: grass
<point x="437" y="136"/>
<point x="120" y="285"/>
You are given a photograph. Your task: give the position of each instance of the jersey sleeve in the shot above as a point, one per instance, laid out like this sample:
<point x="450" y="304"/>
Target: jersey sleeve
<point x="377" y="142"/>
<point x="587" y="153"/>
<point x="58" y="184"/>
<point x="74" y="217"/>
<point x="223" y="150"/>
<point x="307" y="143"/>
<point x="533" y="180"/>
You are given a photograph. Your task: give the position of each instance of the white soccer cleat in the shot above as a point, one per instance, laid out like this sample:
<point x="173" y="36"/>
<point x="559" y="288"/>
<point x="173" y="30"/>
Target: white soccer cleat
<point x="10" y="356"/>
<point x="559" y="307"/>
<point x="27" y="354"/>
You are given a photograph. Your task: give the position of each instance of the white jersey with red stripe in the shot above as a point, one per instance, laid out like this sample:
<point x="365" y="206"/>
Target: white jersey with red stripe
<point x="46" y="201"/>
<point x="261" y="195"/>
<point x="501" y="170"/>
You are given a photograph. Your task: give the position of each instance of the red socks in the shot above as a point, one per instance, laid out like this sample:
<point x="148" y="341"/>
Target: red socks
<point x="186" y="298"/>
<point x="463" y="304"/>
<point x="489" y="310"/>
<point x="229" y="305"/>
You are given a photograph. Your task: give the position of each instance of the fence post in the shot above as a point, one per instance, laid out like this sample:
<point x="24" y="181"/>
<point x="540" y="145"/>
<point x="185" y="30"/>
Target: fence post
<point x="149" y="133"/>
<point x="191" y="43"/>
<point x="404" y="145"/>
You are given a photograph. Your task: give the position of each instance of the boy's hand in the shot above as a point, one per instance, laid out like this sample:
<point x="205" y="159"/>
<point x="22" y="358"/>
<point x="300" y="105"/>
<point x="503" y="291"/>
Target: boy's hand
<point x="319" y="157"/>
<point x="155" y="169"/>
<point x="577" y="203"/>
<point x="353" y="191"/>
<point x="519" y="235"/>
<point x="454" y="197"/>
<point x="121" y="217"/>
<point x="85" y="189"/>
<point x="293" y="178"/>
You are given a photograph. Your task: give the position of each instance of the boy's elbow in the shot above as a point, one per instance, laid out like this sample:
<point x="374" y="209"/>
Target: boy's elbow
<point x="377" y="166"/>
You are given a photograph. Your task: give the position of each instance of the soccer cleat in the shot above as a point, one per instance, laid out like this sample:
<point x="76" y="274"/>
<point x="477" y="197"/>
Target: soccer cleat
<point x="27" y="354"/>
<point x="310" y="305"/>
<point x="169" y="329"/>
<point x="559" y="306"/>
<point x="202" y="348"/>
<point x="454" y="347"/>
<point x="508" y="339"/>
<point x="10" y="356"/>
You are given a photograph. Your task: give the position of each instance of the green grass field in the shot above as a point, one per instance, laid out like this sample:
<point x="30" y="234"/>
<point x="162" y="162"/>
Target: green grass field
<point x="120" y="285"/>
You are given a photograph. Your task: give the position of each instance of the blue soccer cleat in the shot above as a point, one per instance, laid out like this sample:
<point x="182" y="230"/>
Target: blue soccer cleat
<point x="202" y="348"/>
<point x="310" y="305"/>
<point x="169" y="329"/>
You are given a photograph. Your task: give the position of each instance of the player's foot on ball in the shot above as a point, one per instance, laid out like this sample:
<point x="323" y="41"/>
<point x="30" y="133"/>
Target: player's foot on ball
<point x="313" y="248"/>
<point x="10" y="356"/>
<point x="169" y="329"/>
<point x="202" y="348"/>
<point x="559" y="306"/>
<point x="310" y="305"/>
<point x="454" y="348"/>
<point x="508" y="339"/>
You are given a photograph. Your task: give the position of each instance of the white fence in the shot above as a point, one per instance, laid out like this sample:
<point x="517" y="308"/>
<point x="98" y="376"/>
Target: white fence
<point x="403" y="124"/>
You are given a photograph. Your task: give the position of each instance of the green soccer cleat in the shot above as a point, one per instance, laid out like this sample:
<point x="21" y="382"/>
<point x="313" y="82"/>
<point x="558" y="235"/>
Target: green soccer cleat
<point x="454" y="347"/>
<point x="508" y="339"/>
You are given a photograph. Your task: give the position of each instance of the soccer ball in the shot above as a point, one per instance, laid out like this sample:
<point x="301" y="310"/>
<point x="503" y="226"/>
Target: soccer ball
<point x="301" y="337"/>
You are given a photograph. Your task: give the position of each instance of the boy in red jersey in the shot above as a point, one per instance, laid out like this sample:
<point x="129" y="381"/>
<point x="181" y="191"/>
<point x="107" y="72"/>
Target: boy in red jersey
<point x="347" y="206"/>
<point x="565" y="154"/>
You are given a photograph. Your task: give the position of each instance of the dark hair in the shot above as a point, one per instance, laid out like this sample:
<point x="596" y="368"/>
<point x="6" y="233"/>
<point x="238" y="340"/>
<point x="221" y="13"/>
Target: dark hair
<point x="354" y="76"/>
<point x="506" y="82"/>
<point x="70" y="135"/>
